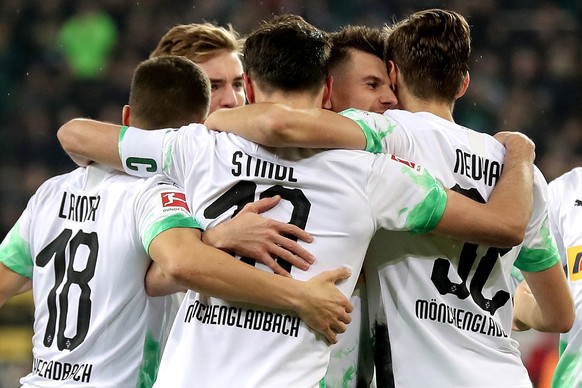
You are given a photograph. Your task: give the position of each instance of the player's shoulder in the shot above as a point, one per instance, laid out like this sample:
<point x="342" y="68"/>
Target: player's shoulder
<point x="195" y="134"/>
<point x="194" y="130"/>
<point x="154" y="187"/>
<point x="569" y="178"/>
<point x="157" y="180"/>
<point x="192" y="133"/>
<point x="62" y="180"/>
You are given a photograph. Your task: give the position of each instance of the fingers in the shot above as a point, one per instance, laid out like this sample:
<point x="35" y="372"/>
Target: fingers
<point x="505" y="137"/>
<point x="331" y="333"/>
<point x="336" y="275"/>
<point x="349" y="307"/>
<point x="339" y="327"/>
<point x="292" y="230"/>
<point x="274" y="266"/>
<point x="262" y="205"/>
<point x="303" y="260"/>
<point x="292" y="252"/>
<point x="500" y="137"/>
<point x="331" y="336"/>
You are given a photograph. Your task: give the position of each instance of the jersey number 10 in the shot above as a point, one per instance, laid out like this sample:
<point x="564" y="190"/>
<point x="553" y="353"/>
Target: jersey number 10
<point x="440" y="270"/>
<point x="243" y="192"/>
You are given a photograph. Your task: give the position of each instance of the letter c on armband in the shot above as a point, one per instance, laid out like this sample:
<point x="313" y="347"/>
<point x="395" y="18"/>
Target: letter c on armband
<point x="132" y="163"/>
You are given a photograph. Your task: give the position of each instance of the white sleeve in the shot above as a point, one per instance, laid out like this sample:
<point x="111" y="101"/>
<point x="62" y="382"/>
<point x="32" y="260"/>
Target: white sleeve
<point x="384" y="134"/>
<point x="142" y="152"/>
<point x="161" y="206"/>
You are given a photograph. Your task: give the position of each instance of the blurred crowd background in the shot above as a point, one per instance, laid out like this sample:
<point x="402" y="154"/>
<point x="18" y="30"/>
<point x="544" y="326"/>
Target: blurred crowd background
<point x="61" y="59"/>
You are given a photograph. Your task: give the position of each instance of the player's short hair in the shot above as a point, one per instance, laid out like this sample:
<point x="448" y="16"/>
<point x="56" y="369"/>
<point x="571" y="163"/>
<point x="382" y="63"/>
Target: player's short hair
<point x="369" y="40"/>
<point x="431" y="49"/>
<point x="287" y="54"/>
<point x="168" y="91"/>
<point x="198" y="42"/>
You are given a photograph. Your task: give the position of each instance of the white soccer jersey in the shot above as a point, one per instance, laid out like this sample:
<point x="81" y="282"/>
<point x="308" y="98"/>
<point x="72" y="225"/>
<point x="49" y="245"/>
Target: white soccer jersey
<point x="83" y="239"/>
<point x="340" y="197"/>
<point x="441" y="309"/>
<point x="565" y="209"/>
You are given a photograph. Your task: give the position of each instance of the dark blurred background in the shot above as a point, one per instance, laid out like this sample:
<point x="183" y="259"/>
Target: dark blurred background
<point x="61" y="59"/>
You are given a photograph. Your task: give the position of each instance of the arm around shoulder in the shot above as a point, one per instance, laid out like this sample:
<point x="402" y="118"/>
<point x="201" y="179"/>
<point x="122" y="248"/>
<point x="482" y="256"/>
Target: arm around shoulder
<point x="190" y="263"/>
<point x="278" y="125"/>
<point x="88" y="141"/>
<point x="503" y="220"/>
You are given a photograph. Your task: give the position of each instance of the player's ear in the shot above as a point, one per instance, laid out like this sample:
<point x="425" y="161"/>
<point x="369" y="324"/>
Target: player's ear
<point x="249" y="89"/>
<point x="125" y="113"/>
<point x="466" y="82"/>
<point x="392" y="74"/>
<point x="326" y="100"/>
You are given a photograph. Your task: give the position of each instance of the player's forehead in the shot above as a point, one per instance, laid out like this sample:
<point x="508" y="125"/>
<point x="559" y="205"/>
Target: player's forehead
<point x="225" y="66"/>
<point x="362" y="63"/>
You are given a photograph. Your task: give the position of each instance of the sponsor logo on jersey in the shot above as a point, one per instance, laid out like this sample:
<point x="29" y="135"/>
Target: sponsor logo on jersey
<point x="61" y="371"/>
<point x="457" y="317"/>
<point x="404" y="161"/>
<point x="175" y="199"/>
<point x="575" y="263"/>
<point x="577" y="202"/>
<point x="249" y="319"/>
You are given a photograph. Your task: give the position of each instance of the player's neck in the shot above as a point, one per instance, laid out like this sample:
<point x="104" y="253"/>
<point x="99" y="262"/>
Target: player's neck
<point x="294" y="100"/>
<point x="437" y="108"/>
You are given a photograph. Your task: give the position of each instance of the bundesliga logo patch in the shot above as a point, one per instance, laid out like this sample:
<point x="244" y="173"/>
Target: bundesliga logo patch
<point x="404" y="161"/>
<point x="175" y="199"/>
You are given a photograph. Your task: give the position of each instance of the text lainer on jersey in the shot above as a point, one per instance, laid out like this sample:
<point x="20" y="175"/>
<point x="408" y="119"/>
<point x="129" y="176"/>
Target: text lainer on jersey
<point x="79" y="208"/>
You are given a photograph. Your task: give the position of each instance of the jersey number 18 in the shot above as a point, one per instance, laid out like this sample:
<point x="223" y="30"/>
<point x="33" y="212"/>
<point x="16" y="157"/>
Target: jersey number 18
<point x="58" y="301"/>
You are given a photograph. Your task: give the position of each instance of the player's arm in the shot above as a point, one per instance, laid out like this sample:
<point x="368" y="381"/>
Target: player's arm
<point x="158" y="284"/>
<point x="247" y="235"/>
<point x="543" y="302"/>
<point x="188" y="262"/>
<point x="26" y="287"/>
<point x="87" y="141"/>
<point x="251" y="235"/>
<point x="278" y="125"/>
<point x="503" y="220"/>
<point x="262" y="238"/>
<point x="11" y="283"/>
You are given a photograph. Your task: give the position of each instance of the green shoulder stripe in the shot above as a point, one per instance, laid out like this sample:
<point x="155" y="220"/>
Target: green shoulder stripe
<point x="174" y="221"/>
<point x="15" y="253"/>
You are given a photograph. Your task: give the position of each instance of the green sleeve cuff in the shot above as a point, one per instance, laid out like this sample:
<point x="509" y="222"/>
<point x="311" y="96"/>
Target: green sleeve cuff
<point x="15" y="253"/>
<point x="426" y="216"/>
<point x="373" y="138"/>
<point x="535" y="260"/>
<point x="120" y="138"/>
<point x="174" y="221"/>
